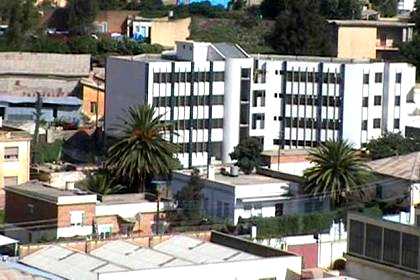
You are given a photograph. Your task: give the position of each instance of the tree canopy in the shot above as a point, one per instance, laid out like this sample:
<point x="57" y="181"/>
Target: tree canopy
<point x="81" y="15"/>
<point x="248" y="154"/>
<point x="392" y="144"/>
<point x="189" y="198"/>
<point x="387" y="8"/>
<point x="141" y="151"/>
<point x="338" y="172"/>
<point x="295" y="33"/>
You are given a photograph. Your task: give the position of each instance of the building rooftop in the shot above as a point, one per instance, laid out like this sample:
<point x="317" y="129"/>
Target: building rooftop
<point x="69" y="264"/>
<point x="372" y="23"/>
<point x="311" y="58"/>
<point x="229" y="50"/>
<point x="120" y="255"/>
<point x="10" y="134"/>
<point x="405" y="167"/>
<point x="39" y="190"/>
<point x="65" y="65"/>
<point x="10" y="273"/>
<point x="123" y="198"/>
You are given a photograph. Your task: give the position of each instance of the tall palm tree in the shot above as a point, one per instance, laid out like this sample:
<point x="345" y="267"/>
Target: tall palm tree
<point x="141" y="150"/>
<point x="338" y="172"/>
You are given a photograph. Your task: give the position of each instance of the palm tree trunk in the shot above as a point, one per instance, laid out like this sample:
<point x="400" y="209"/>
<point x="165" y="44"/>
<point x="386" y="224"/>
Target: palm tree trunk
<point x="141" y="187"/>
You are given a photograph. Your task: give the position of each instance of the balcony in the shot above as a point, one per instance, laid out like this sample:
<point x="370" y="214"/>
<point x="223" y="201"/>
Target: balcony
<point x="386" y="45"/>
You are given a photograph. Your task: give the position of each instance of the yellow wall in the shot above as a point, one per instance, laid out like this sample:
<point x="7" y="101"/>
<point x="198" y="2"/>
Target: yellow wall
<point x="166" y="33"/>
<point x="93" y="95"/>
<point x="19" y="167"/>
<point x="356" y="42"/>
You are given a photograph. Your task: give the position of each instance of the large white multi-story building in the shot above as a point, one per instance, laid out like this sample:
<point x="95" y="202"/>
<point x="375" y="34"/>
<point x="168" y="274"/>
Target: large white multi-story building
<point x="286" y="102"/>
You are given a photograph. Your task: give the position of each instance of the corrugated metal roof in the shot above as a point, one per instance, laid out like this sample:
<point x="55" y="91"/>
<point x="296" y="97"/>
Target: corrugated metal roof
<point x="66" y="100"/>
<point x="406" y="167"/>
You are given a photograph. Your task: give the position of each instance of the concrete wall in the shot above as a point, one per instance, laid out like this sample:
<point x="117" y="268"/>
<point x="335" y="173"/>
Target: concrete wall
<point x="279" y="268"/>
<point x="356" y="42"/>
<point x="93" y="95"/>
<point x="126" y="87"/>
<point x="166" y="33"/>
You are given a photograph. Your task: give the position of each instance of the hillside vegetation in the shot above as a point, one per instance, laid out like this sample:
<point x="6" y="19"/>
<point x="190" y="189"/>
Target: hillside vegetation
<point x="250" y="34"/>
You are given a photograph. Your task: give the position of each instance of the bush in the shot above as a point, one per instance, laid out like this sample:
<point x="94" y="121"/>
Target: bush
<point x="274" y="227"/>
<point x="48" y="45"/>
<point x="45" y="152"/>
<point x="83" y="45"/>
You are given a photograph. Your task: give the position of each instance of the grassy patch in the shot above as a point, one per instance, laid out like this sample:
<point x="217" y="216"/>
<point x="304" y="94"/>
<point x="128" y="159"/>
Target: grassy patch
<point x="250" y="34"/>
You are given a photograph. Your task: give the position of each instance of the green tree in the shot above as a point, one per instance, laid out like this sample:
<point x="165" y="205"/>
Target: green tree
<point x="83" y="45"/>
<point x="248" y="154"/>
<point x="294" y="31"/>
<point x="411" y="52"/>
<point x="387" y="8"/>
<point x="141" y="150"/>
<point x="341" y="9"/>
<point x="189" y="198"/>
<point x="272" y="8"/>
<point x="392" y="144"/>
<point x="337" y="172"/>
<point x="102" y="182"/>
<point x="81" y="15"/>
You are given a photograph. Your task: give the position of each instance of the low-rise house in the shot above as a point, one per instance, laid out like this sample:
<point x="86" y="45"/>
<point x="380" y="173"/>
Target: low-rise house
<point x="62" y="176"/>
<point x="374" y="39"/>
<point x="401" y="180"/>
<point x="15" y="158"/>
<point x="93" y="91"/>
<point x="266" y="193"/>
<point x="55" y="77"/>
<point x="219" y="257"/>
<point x="379" y="249"/>
<point x="164" y="31"/>
<point x="36" y="211"/>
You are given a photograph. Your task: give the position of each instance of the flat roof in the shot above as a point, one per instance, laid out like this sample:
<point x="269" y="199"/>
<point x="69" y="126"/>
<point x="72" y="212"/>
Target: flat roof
<point x="39" y="190"/>
<point x="372" y="23"/>
<point x="120" y="255"/>
<point x="123" y="198"/>
<point x="240" y="180"/>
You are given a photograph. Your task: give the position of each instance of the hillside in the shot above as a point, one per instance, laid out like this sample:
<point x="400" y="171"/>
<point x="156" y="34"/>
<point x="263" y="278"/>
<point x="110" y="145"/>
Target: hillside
<point x="250" y="34"/>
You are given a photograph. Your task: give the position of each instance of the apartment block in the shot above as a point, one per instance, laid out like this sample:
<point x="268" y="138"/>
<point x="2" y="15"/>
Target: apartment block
<point x="217" y="94"/>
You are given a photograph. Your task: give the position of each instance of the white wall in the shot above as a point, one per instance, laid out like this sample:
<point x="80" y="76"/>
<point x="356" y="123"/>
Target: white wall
<point x="279" y="268"/>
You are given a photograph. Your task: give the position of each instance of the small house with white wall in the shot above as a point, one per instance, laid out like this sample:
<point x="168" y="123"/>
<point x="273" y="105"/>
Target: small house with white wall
<point x="266" y="193"/>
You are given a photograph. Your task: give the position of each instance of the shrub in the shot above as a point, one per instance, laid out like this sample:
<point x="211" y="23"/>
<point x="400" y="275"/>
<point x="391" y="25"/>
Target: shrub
<point x="83" y="45"/>
<point x="45" y="152"/>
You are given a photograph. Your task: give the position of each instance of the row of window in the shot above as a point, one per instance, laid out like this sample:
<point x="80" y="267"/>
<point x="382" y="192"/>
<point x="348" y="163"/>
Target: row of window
<point x="377" y="101"/>
<point x="299" y="143"/>
<point x="333" y="101"/>
<point x="309" y="123"/>
<point x="312" y="77"/>
<point x="377" y="124"/>
<point x="197" y="100"/>
<point x="379" y="78"/>
<point x="197" y="124"/>
<point x="200" y="147"/>
<point x="182" y="77"/>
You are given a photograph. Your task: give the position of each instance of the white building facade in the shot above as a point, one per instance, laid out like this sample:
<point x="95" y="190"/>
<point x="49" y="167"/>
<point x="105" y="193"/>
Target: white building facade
<point x="286" y="102"/>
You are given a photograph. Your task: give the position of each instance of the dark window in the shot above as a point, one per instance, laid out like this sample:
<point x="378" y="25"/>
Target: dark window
<point x="378" y="77"/>
<point x="373" y="242"/>
<point x="275" y="118"/>
<point x="397" y="100"/>
<point x="245" y="73"/>
<point x="275" y="95"/>
<point x="356" y="237"/>
<point x="392" y="246"/>
<point x="93" y="107"/>
<point x="364" y="124"/>
<point x="279" y="209"/>
<point x="258" y="95"/>
<point x="376" y="123"/>
<point x="365" y="102"/>
<point x="258" y="118"/>
<point x="397" y="123"/>
<point x="398" y="78"/>
<point x="276" y="72"/>
<point x="11" y="153"/>
<point x="377" y="100"/>
<point x="366" y="79"/>
<point x="410" y="250"/>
